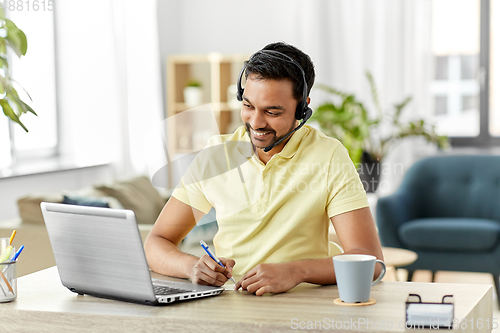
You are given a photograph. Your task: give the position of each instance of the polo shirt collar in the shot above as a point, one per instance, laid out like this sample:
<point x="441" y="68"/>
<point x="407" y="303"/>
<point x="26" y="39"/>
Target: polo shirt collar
<point x="245" y="147"/>
<point x="292" y="146"/>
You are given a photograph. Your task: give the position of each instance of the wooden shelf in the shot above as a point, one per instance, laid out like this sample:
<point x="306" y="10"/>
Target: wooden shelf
<point x="217" y="107"/>
<point x="216" y="72"/>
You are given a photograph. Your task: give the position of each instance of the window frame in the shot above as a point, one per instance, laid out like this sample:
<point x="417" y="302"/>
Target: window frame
<point x="31" y="155"/>
<point x="484" y="139"/>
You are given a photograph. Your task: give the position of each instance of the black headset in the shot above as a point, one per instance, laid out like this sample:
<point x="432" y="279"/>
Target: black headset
<point x="303" y="111"/>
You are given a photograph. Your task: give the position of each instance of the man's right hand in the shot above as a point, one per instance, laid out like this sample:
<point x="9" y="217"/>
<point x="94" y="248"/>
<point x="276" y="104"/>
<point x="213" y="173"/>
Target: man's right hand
<point x="207" y="272"/>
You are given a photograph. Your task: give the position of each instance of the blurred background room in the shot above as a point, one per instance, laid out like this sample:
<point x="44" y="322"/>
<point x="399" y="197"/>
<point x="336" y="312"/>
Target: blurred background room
<point x="108" y="79"/>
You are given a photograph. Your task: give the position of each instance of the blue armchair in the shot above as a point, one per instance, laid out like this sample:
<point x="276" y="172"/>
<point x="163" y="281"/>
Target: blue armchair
<point x="447" y="210"/>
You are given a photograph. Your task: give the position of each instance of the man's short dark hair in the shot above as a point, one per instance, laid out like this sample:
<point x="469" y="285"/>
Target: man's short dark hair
<point x="266" y="66"/>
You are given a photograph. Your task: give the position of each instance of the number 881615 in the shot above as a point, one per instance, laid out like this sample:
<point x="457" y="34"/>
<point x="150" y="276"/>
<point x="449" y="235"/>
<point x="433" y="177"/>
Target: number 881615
<point x="27" y="5"/>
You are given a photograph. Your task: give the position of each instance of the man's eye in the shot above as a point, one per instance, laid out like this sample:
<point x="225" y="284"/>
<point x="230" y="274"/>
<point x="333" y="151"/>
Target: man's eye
<point x="246" y="105"/>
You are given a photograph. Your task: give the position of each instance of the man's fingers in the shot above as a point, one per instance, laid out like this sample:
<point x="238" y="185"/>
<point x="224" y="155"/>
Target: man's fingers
<point x="254" y="285"/>
<point x="263" y="290"/>
<point x="229" y="263"/>
<point x="208" y="272"/>
<point x="208" y="276"/>
<point x="217" y="280"/>
<point x="210" y="263"/>
<point x="247" y="279"/>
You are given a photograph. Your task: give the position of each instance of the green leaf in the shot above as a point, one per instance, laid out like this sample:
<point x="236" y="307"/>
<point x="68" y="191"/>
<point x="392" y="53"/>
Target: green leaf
<point x="4" y="82"/>
<point x="4" y="64"/>
<point x="331" y="90"/>
<point x="2" y="13"/>
<point x="13" y="100"/>
<point x="16" y="38"/>
<point x="399" y="108"/>
<point x="29" y="108"/>
<point x="374" y="92"/>
<point x="12" y="91"/>
<point x="9" y="112"/>
<point x="22" y="106"/>
<point x="3" y="46"/>
<point x="29" y="96"/>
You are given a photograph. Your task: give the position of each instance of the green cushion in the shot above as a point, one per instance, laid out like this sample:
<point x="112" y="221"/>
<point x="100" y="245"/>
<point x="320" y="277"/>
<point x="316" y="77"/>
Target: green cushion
<point x="450" y="234"/>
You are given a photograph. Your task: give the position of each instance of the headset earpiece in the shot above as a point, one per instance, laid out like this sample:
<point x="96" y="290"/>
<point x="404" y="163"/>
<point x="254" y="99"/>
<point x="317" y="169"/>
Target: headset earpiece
<point x="239" y="89"/>
<point x="307" y="113"/>
<point x="303" y="108"/>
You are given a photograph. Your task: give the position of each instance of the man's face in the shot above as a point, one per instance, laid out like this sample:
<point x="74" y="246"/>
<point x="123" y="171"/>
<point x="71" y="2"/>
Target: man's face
<point x="268" y="111"/>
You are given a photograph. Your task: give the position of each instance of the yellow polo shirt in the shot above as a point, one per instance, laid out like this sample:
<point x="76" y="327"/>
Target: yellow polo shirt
<point x="277" y="212"/>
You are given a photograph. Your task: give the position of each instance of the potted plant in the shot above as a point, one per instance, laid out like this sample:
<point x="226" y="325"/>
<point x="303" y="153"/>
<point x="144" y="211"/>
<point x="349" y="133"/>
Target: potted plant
<point x="368" y="139"/>
<point x="193" y="94"/>
<point x="10" y="102"/>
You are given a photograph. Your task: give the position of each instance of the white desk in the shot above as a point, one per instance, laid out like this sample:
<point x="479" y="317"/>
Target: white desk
<point x="44" y="305"/>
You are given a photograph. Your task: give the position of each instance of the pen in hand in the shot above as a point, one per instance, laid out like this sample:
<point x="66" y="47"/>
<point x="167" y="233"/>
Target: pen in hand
<point x="207" y="250"/>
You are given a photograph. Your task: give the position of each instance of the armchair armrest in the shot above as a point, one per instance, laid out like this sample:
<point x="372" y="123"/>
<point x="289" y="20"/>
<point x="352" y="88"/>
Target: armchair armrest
<point x="392" y="212"/>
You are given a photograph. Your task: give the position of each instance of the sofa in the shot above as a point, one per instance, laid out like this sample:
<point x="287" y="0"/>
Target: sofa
<point x="136" y="194"/>
<point x="447" y="210"/>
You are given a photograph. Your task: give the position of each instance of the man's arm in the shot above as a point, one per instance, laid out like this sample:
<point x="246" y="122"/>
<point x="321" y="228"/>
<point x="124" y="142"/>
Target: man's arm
<point x="163" y="255"/>
<point x="357" y="234"/>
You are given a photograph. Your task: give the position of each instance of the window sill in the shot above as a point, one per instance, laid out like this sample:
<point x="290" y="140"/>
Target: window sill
<point x="471" y="151"/>
<point x="46" y="165"/>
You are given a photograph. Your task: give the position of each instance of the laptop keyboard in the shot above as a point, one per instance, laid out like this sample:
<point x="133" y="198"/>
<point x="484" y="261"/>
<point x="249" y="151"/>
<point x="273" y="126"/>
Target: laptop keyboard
<point x="162" y="290"/>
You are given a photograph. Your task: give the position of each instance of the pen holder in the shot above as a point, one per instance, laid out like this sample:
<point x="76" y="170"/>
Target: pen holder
<point x="8" y="281"/>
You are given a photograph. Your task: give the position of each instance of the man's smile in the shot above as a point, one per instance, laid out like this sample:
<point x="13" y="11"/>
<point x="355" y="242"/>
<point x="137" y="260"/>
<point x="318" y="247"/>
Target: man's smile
<point x="260" y="135"/>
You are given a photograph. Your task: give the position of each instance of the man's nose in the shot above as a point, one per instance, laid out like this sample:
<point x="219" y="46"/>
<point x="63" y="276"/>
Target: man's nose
<point x="258" y="120"/>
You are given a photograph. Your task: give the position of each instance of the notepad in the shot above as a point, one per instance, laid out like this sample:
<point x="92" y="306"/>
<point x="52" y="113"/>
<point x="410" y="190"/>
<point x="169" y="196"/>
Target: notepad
<point x="429" y="315"/>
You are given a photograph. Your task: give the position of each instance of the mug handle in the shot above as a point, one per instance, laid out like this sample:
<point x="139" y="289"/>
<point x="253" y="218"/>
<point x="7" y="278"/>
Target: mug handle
<point x="381" y="276"/>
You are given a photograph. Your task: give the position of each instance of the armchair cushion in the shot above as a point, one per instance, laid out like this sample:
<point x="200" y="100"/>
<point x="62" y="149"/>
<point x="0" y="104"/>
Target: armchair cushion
<point x="450" y="234"/>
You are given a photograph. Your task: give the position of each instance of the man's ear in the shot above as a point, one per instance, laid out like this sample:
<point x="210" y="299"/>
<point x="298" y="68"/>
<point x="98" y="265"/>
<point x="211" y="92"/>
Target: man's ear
<point x="308" y="100"/>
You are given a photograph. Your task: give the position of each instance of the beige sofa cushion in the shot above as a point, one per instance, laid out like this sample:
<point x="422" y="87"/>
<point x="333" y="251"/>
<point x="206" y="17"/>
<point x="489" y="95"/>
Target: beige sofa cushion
<point x="138" y="195"/>
<point x="29" y="206"/>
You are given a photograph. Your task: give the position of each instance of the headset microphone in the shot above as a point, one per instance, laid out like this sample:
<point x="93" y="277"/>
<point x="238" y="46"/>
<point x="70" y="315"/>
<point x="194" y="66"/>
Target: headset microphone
<point x="307" y="116"/>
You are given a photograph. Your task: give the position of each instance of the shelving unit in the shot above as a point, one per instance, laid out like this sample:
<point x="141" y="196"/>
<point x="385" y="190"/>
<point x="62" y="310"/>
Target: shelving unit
<point x="216" y="72"/>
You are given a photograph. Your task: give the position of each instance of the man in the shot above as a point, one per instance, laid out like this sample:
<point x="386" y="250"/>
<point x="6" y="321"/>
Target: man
<point x="273" y="211"/>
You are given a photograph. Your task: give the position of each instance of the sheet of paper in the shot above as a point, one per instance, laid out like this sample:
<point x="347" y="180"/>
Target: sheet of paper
<point x="229" y="285"/>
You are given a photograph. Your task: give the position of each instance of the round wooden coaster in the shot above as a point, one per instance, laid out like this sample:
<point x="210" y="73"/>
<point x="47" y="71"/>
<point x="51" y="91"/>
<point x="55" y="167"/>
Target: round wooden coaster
<point x="338" y="301"/>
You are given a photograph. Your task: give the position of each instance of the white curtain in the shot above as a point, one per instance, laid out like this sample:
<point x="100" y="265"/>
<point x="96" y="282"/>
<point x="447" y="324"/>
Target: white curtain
<point x="391" y="39"/>
<point x="138" y="78"/>
<point x="109" y="80"/>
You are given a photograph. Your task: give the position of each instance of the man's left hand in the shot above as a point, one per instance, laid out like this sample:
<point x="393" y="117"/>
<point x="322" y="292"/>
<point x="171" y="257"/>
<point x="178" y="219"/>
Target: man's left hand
<point x="269" y="278"/>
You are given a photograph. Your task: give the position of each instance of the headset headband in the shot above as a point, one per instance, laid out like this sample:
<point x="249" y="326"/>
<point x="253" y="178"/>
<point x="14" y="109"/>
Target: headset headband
<point x="302" y="108"/>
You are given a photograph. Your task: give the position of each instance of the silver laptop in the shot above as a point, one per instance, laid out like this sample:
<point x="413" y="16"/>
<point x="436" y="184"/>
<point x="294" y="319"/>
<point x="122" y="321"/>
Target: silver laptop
<point x="99" y="252"/>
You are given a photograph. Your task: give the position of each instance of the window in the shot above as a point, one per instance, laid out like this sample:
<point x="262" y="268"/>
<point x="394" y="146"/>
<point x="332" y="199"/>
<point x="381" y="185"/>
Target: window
<point x="460" y="88"/>
<point x="494" y="92"/>
<point x="34" y="72"/>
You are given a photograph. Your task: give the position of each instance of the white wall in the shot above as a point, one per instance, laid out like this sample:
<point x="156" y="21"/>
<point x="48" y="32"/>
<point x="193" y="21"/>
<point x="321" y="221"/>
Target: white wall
<point x="197" y="26"/>
<point x="13" y="188"/>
